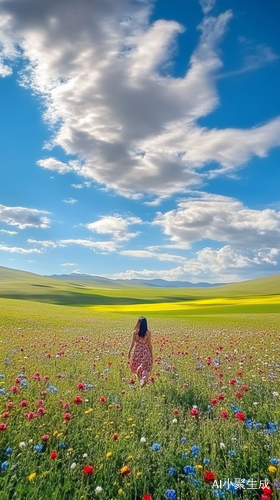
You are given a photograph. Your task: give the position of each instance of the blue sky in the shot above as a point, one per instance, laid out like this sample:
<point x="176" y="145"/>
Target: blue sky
<point x="140" y="139"/>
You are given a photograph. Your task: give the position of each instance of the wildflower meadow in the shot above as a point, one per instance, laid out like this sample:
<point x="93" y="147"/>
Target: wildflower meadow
<point x="75" y="423"/>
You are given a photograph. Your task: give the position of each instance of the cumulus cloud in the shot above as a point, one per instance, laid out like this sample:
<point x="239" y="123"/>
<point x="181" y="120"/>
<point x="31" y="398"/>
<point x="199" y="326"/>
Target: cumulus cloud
<point x="98" y="65"/>
<point x="44" y="244"/>
<point x="223" y="265"/>
<point x="116" y="226"/>
<point x="23" y="217"/>
<point x="219" y="218"/>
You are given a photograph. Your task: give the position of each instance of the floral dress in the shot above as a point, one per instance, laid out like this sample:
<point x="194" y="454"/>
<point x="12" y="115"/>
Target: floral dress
<point x="141" y="361"/>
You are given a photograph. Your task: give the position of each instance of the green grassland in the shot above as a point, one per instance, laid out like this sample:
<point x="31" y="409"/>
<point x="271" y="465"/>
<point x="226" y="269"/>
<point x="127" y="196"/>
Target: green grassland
<point x="254" y="296"/>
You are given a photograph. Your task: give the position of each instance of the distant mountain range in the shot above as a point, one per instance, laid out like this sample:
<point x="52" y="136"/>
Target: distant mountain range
<point x="157" y="283"/>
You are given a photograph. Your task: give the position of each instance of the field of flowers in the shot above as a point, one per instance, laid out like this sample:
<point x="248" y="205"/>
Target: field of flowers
<point x="74" y="423"/>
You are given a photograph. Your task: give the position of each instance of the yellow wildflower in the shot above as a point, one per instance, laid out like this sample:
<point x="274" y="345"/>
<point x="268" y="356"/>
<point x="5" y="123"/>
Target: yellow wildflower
<point x="32" y="476"/>
<point x="70" y="450"/>
<point x="46" y="473"/>
<point x="127" y="437"/>
<point x="272" y="469"/>
<point x="139" y="474"/>
<point x="120" y="492"/>
<point x="245" y="447"/>
<point x="133" y="425"/>
<point x="60" y="435"/>
<point x="55" y="433"/>
<point x="109" y="454"/>
<point x="111" y="422"/>
<point x="198" y="467"/>
<point x="130" y="419"/>
<point x="129" y="458"/>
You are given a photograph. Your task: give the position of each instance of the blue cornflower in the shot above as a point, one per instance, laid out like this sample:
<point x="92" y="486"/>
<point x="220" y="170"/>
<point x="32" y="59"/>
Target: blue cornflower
<point x="38" y="447"/>
<point x="3" y="392"/>
<point x="90" y="386"/>
<point x="219" y="493"/>
<point x="5" y="465"/>
<point x="210" y="407"/>
<point x="195" y="450"/>
<point x="62" y="445"/>
<point x="249" y="423"/>
<point x="195" y="482"/>
<point x="20" y="375"/>
<point x="275" y="461"/>
<point x="183" y="440"/>
<point x="188" y="469"/>
<point x="206" y="461"/>
<point x="185" y="455"/>
<point x="2" y="375"/>
<point x="23" y="383"/>
<point x="107" y="370"/>
<point x="232" y="453"/>
<point x="9" y="451"/>
<point x="232" y="487"/>
<point x="171" y="471"/>
<point x="156" y="447"/>
<point x="234" y="408"/>
<point x="52" y="388"/>
<point x="258" y="426"/>
<point x="171" y="494"/>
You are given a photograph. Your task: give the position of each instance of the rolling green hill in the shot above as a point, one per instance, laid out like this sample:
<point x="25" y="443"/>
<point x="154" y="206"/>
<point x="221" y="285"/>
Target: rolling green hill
<point x="15" y="284"/>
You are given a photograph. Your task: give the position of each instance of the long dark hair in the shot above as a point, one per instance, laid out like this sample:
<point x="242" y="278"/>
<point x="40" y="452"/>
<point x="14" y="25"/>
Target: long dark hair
<point x="141" y="326"/>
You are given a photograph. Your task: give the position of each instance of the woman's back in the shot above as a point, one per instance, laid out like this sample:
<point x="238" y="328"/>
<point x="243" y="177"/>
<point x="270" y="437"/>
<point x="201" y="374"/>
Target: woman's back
<point x="142" y="340"/>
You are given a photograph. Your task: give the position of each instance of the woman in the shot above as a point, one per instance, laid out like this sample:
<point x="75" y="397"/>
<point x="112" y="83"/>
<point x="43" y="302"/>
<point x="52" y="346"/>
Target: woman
<point x="142" y="358"/>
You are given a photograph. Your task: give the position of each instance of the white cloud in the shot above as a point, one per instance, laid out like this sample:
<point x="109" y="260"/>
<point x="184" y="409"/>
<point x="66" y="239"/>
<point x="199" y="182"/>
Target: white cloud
<point x="207" y="5"/>
<point x="45" y="244"/>
<point x="222" y="219"/>
<point x="148" y="254"/>
<point x="102" y="246"/>
<point x="69" y="264"/>
<point x="77" y="186"/>
<point x="70" y="200"/>
<point x="223" y="266"/>
<point x="10" y="233"/>
<point x="5" y="248"/>
<point x="116" y="226"/>
<point x="23" y="217"/>
<point x="134" y="129"/>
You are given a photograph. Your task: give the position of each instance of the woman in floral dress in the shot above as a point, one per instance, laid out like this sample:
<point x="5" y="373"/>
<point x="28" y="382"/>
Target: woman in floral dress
<point x="142" y="359"/>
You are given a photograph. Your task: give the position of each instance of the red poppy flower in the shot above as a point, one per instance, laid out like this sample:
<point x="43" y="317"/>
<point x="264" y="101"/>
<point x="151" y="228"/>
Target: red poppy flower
<point x="123" y="391"/>
<point x="214" y="401"/>
<point x="221" y="396"/>
<point x="220" y="374"/>
<point x="30" y="415"/>
<point x="232" y="381"/>
<point x="175" y="411"/>
<point x="102" y="399"/>
<point x="238" y="394"/>
<point x="40" y="402"/>
<point x="5" y="414"/>
<point x="265" y="497"/>
<point x="45" y="438"/>
<point x="115" y="436"/>
<point x="78" y="400"/>
<point x="209" y="476"/>
<point x="152" y="379"/>
<point x="147" y="497"/>
<point x="17" y="381"/>
<point x="125" y="471"/>
<point x="67" y="416"/>
<point x="224" y="414"/>
<point x="10" y="405"/>
<point x="3" y="427"/>
<point x="66" y="406"/>
<point x="23" y="403"/>
<point x="117" y="405"/>
<point x="88" y="470"/>
<point x="240" y="416"/>
<point x="41" y="411"/>
<point x="239" y="374"/>
<point x="80" y="386"/>
<point x="46" y="377"/>
<point x="244" y="388"/>
<point x="185" y="386"/>
<point x="267" y="490"/>
<point x="109" y="363"/>
<point x="260" y="370"/>
<point x="194" y="412"/>
<point x="53" y="455"/>
<point x="14" y="389"/>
